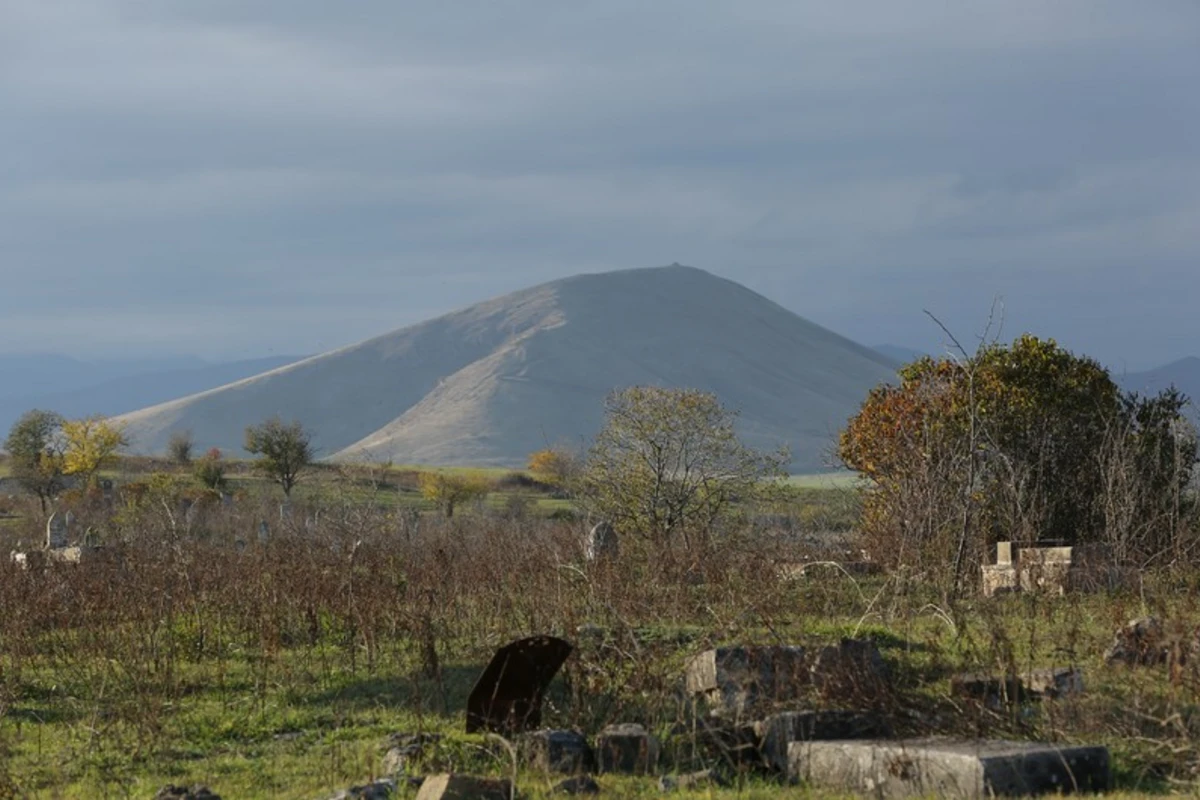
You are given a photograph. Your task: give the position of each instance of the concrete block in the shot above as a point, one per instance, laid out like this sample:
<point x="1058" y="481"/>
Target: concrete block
<point x="777" y="732"/>
<point x="628" y="749"/>
<point x="464" y="787"/>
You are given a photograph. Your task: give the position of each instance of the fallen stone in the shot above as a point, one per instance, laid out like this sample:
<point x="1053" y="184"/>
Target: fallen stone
<point x="580" y="784"/>
<point x="404" y="748"/>
<point x="743" y="681"/>
<point x="464" y="787"/>
<point x="1054" y="682"/>
<point x="171" y="792"/>
<point x="777" y="732"/>
<point x="852" y="671"/>
<point x="378" y="790"/>
<point x="627" y="748"/>
<point x="557" y="751"/>
<point x="949" y="768"/>
<point x="691" y="781"/>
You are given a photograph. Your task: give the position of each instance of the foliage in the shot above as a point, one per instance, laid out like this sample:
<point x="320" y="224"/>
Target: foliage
<point x="285" y="451"/>
<point x="209" y="471"/>
<point x="35" y="446"/>
<point x="554" y="466"/>
<point x="179" y="447"/>
<point x="92" y="444"/>
<point x="1006" y="444"/>
<point x="668" y="464"/>
<point x="449" y="490"/>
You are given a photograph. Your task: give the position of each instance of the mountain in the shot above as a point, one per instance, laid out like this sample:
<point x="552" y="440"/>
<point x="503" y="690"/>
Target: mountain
<point x="489" y="384"/>
<point x="901" y="355"/>
<point x="1183" y="374"/>
<point x="77" y="388"/>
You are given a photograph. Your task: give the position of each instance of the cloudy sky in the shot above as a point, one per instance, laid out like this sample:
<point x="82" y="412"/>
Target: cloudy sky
<point x="234" y="178"/>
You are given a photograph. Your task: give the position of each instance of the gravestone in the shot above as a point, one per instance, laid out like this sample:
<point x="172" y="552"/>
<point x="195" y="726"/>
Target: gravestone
<point x="601" y="542"/>
<point x="507" y="697"/>
<point x="741" y="681"/>
<point x="56" y="532"/>
<point x="777" y="732"/>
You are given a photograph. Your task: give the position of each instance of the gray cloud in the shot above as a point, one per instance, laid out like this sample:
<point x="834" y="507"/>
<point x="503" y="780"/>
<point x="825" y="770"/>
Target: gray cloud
<point x="234" y="177"/>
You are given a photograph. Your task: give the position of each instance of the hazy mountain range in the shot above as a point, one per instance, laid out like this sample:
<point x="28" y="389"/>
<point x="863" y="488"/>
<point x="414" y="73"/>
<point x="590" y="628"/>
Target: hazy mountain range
<point x="488" y="384"/>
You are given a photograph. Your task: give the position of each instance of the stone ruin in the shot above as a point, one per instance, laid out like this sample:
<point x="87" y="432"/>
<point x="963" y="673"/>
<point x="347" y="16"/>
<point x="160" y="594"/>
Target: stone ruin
<point x="1055" y="569"/>
<point x="57" y="548"/>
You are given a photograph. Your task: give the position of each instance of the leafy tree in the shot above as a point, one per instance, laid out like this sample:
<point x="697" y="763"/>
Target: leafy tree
<point x="668" y="464"/>
<point x="92" y="444"/>
<point x="448" y="490"/>
<point x="1006" y="444"/>
<point x="209" y="471"/>
<point x="35" y="445"/>
<point x="285" y="451"/>
<point x="179" y="447"/>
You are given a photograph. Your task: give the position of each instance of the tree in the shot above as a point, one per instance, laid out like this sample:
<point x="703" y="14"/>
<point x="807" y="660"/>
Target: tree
<point x="554" y="466"/>
<point x="210" y="471"/>
<point x="92" y="444"/>
<point x="668" y="464"/>
<point x="35" y="446"/>
<point x="1005" y="444"/>
<point x="179" y="447"/>
<point x="448" y="490"/>
<point x="285" y="451"/>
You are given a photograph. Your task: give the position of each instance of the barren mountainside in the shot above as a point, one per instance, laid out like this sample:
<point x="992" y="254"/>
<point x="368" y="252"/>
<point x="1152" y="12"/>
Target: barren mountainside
<point x="489" y="384"/>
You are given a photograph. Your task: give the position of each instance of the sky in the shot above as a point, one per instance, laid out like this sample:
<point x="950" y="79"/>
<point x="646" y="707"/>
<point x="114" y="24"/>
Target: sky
<point x="236" y="178"/>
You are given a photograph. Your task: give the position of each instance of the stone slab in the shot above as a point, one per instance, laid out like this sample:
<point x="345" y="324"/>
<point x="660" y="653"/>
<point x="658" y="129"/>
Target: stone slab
<point x="464" y="787"/>
<point x="740" y="680"/>
<point x="949" y="768"/>
<point x="777" y="732"/>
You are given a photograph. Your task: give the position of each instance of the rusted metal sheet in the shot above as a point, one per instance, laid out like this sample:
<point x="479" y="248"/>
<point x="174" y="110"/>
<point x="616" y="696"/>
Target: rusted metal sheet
<point x="507" y="698"/>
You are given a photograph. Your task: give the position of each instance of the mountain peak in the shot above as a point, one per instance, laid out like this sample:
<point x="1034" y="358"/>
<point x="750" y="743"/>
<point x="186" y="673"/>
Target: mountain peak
<point x="488" y="384"/>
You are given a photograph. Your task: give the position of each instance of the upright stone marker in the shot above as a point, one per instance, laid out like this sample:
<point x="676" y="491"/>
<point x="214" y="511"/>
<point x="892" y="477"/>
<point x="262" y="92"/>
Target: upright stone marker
<point x="56" y="532"/>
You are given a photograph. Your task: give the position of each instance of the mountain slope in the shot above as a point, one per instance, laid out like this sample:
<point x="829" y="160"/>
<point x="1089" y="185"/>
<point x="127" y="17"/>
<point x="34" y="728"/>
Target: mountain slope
<point x="1183" y="374"/>
<point x="493" y="382"/>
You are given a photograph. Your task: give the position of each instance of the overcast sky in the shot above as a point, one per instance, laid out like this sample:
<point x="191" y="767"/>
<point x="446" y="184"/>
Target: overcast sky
<point x="233" y="178"/>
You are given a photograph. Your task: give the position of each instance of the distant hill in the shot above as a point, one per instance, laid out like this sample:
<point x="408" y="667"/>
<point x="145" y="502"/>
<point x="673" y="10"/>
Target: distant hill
<point x="491" y="383"/>
<point x="76" y="388"/>
<point x="901" y="355"/>
<point x="1183" y="374"/>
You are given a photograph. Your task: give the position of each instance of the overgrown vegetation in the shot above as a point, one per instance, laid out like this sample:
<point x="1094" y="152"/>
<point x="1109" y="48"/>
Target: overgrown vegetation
<point x="216" y="637"/>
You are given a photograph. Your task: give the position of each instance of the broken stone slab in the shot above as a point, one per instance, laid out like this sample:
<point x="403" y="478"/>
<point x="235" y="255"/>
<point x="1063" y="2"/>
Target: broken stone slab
<point x="627" y="748"/>
<point x="741" y="680"/>
<point x="949" y="768"/>
<point x="777" y="732"/>
<point x="557" y="751"/>
<point x="852" y="671"/>
<point x="464" y="787"/>
<point x="998" y="691"/>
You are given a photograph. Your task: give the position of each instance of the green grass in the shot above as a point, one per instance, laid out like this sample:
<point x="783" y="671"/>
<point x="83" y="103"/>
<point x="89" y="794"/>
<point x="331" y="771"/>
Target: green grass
<point x="825" y="480"/>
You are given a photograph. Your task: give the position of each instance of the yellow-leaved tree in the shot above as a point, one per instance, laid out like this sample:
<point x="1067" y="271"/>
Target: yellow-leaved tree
<point x="91" y="444"/>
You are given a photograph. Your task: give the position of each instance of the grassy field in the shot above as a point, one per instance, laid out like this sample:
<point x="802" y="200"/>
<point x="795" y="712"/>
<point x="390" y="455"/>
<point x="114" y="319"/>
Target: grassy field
<point x="189" y="652"/>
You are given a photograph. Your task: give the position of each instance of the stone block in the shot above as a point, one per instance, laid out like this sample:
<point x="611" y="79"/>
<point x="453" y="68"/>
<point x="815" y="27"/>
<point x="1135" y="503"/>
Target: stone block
<point x="566" y="752"/>
<point x="852" y="671"/>
<point x="777" y="732"/>
<point x="741" y="681"/>
<point x="464" y="787"/>
<point x="949" y="768"/>
<point x="628" y="748"/>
